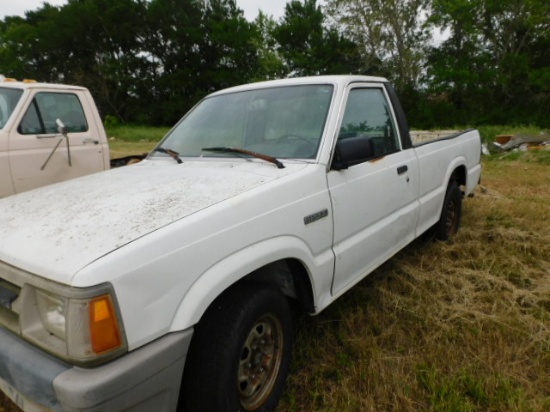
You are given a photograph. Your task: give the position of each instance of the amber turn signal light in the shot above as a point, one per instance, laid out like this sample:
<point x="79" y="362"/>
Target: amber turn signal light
<point x="104" y="330"/>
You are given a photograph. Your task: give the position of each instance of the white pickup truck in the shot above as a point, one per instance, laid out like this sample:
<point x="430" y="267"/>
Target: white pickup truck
<point x="166" y="285"/>
<point x="33" y="151"/>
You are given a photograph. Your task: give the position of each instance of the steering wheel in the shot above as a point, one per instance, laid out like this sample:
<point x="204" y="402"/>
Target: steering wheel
<point x="291" y="136"/>
<point x="305" y="148"/>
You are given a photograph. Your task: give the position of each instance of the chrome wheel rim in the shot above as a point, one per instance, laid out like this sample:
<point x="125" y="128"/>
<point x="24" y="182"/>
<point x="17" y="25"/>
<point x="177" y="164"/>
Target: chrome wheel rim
<point x="259" y="362"/>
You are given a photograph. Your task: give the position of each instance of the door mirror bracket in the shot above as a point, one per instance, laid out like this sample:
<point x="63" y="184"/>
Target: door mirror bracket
<point x="63" y="131"/>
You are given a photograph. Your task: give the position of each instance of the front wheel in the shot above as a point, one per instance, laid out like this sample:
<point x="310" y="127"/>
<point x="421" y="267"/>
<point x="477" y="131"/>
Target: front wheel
<point x="451" y="213"/>
<point x="240" y="353"/>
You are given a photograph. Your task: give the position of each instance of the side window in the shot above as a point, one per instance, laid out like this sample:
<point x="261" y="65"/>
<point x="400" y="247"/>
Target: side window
<point x="8" y="100"/>
<point x="368" y="114"/>
<point x="46" y="108"/>
<point x="31" y="123"/>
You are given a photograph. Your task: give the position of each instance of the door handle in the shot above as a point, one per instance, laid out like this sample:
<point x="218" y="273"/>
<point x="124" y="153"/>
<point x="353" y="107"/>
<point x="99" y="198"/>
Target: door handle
<point x="47" y="136"/>
<point x="90" y="140"/>
<point x="402" y="169"/>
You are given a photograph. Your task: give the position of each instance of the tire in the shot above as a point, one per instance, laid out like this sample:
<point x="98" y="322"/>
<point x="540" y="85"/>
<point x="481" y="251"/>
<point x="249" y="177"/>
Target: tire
<point x="451" y="213"/>
<point x="240" y="353"/>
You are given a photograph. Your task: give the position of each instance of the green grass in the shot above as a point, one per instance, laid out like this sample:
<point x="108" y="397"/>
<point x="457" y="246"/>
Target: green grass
<point x="128" y="140"/>
<point x="532" y="156"/>
<point x="136" y="134"/>
<point x="468" y="390"/>
<point x="489" y="132"/>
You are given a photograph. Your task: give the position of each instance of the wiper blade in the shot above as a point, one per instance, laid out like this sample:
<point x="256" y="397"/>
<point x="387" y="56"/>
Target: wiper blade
<point x="175" y="155"/>
<point x="224" y="149"/>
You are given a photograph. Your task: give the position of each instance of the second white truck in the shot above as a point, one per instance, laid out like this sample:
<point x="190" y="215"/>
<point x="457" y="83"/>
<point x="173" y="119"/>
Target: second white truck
<point x="166" y="285"/>
<point x="33" y="153"/>
<point x="49" y="133"/>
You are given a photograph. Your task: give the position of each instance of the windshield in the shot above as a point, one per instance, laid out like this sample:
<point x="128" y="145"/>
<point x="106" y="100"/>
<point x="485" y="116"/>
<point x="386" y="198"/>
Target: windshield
<point x="283" y="122"/>
<point x="8" y="101"/>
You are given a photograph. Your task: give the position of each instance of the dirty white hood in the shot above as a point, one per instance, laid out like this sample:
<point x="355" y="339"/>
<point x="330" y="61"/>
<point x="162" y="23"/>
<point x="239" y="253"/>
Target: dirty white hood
<point x="57" y="230"/>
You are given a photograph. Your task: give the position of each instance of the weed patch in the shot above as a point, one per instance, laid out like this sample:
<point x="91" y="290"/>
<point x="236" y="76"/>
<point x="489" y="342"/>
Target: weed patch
<point x="456" y="326"/>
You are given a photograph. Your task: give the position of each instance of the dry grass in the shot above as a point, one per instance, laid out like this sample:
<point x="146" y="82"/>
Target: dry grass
<point x="458" y="326"/>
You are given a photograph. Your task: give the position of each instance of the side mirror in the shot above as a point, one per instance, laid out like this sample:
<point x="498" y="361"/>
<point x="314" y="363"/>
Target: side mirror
<point x="61" y="128"/>
<point x="352" y="151"/>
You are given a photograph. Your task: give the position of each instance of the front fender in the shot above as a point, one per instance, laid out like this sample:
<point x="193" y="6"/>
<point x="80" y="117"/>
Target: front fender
<point x="231" y="269"/>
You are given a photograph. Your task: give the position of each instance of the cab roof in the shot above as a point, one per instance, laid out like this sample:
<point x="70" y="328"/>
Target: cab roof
<point x="31" y="84"/>
<point x="337" y="80"/>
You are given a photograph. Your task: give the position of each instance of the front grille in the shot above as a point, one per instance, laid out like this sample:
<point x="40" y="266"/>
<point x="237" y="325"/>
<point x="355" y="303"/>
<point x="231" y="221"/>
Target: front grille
<point x="9" y="293"/>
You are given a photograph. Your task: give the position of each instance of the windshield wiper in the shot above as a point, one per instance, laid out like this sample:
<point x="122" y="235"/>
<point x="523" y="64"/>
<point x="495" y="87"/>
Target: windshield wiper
<point x="224" y="149"/>
<point x="169" y="152"/>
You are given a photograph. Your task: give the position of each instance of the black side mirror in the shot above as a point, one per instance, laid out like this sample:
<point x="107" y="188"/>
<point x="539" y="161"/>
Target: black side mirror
<point x="352" y="151"/>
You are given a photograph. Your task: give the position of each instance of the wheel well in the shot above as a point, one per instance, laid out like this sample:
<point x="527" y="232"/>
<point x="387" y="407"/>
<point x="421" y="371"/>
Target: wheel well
<point x="290" y="276"/>
<point x="459" y="176"/>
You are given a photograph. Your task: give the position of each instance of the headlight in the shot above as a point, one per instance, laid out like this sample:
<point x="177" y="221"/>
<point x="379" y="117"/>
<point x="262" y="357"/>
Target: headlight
<point x="52" y="311"/>
<point x="81" y="326"/>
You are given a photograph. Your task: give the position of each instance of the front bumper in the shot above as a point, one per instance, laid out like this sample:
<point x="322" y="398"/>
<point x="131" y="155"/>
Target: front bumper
<point x="146" y="379"/>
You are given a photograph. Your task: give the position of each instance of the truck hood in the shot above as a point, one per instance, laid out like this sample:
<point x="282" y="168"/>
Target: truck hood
<point x="56" y="230"/>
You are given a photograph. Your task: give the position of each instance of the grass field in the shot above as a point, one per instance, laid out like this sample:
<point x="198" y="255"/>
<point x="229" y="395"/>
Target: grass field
<point x="129" y="140"/>
<point x="456" y="326"/>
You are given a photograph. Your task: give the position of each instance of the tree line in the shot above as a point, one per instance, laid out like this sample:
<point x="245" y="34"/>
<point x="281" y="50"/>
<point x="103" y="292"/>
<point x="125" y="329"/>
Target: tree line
<point x="453" y="62"/>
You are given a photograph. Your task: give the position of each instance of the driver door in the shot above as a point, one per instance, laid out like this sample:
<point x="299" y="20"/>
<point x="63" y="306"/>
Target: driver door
<point x="374" y="202"/>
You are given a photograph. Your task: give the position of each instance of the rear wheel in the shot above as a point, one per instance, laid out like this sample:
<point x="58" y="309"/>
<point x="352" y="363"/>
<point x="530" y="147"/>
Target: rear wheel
<point x="240" y="353"/>
<point x="451" y="213"/>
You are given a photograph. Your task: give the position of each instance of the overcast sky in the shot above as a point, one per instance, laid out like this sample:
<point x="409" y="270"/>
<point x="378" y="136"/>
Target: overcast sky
<point x="250" y="7"/>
